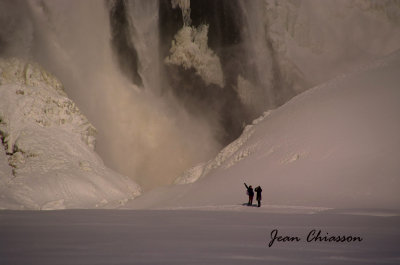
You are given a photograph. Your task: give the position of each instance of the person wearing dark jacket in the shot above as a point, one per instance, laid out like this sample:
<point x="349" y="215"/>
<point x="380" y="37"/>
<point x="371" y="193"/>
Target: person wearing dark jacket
<point x="250" y="192"/>
<point x="258" y="190"/>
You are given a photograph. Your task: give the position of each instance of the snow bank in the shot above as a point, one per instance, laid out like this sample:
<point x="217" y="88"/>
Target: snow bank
<point x="336" y="145"/>
<point x="49" y="146"/>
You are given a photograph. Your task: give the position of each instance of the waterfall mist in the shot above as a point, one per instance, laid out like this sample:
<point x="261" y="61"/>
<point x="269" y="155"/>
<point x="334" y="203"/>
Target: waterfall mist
<point x="141" y="133"/>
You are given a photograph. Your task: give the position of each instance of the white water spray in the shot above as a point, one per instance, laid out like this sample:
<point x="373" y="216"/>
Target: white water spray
<point x="140" y="134"/>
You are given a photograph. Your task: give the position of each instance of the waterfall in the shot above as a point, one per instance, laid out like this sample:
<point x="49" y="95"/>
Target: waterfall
<point x="167" y="83"/>
<point x="145" y="34"/>
<point x="122" y="41"/>
<point x="258" y="53"/>
<point x="117" y="81"/>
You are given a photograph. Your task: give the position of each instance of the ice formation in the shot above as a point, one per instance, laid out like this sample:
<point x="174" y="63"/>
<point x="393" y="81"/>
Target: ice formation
<point x="189" y="49"/>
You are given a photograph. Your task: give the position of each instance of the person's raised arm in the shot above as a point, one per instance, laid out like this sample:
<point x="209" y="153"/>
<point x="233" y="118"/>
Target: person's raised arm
<point x="246" y="185"/>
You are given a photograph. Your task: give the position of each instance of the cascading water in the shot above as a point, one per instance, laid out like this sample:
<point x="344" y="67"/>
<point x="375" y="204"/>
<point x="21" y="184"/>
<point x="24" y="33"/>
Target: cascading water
<point x="205" y="60"/>
<point x="122" y="41"/>
<point x="135" y="40"/>
<point x="144" y="18"/>
<point x="167" y="83"/>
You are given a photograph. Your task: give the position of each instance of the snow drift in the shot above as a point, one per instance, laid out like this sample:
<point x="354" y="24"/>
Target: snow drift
<point x="336" y="145"/>
<point x="48" y="160"/>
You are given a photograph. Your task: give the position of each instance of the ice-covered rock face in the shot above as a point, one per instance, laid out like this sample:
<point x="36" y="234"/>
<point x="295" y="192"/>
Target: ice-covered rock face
<point x="49" y="146"/>
<point x="41" y="99"/>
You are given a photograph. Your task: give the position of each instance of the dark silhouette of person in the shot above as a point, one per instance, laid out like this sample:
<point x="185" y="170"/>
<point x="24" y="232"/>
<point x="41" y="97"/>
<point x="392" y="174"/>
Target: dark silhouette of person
<point x="258" y="190"/>
<point x="250" y="192"/>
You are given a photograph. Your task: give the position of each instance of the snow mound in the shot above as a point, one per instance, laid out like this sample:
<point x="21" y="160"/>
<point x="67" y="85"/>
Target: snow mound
<point x="336" y="145"/>
<point x="49" y="146"/>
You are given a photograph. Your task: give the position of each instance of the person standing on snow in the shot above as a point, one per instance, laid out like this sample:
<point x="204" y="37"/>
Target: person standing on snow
<point x="258" y="190"/>
<point x="250" y="192"/>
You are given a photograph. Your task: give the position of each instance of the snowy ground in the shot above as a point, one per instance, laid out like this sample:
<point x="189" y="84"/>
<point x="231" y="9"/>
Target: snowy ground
<point x="193" y="237"/>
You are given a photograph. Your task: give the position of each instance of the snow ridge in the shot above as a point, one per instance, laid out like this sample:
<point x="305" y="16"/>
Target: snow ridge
<point x="226" y="158"/>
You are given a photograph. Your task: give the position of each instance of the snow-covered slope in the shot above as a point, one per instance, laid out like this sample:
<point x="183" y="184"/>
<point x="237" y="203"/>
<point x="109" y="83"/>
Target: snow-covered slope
<point x="47" y="158"/>
<point x="336" y="145"/>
